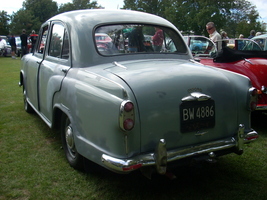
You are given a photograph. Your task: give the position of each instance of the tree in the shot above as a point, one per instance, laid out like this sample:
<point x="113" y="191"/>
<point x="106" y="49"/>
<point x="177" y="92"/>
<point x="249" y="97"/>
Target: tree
<point x="191" y="16"/>
<point x="243" y="18"/>
<point x="24" y="19"/>
<point x="4" y="19"/>
<point x="77" y="4"/>
<point x="41" y="9"/>
<point x="35" y="12"/>
<point x="150" y="6"/>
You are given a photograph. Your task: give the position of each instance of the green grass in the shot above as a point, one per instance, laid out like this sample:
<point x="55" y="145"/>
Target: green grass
<point x="33" y="166"/>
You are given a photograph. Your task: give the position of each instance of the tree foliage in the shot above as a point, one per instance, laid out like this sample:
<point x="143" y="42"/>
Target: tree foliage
<point x="24" y="19"/>
<point x="35" y="12"/>
<point x="41" y="9"/>
<point x="76" y="5"/>
<point x="189" y="16"/>
<point x="4" y="27"/>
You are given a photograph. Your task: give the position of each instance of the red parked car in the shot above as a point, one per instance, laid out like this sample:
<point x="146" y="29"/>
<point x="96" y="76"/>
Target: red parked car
<point x="246" y="58"/>
<point x="103" y="41"/>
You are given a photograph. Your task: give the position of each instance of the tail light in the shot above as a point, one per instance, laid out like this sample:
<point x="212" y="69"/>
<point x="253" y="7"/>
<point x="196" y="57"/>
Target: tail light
<point x="253" y="98"/>
<point x="127" y="118"/>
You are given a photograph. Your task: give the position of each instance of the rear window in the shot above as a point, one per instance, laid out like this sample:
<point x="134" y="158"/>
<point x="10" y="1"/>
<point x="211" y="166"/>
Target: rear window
<point x="137" y="38"/>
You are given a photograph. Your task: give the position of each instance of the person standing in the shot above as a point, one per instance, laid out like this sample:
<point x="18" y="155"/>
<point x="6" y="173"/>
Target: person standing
<point x="224" y="38"/>
<point x="12" y="42"/>
<point x="252" y="34"/>
<point x="157" y="39"/>
<point x="33" y="38"/>
<point x="224" y="35"/>
<point x="213" y="34"/>
<point x="24" y="43"/>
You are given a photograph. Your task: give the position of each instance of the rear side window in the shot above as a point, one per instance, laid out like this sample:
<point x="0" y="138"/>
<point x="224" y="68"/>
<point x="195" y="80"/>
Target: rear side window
<point x="59" y="43"/>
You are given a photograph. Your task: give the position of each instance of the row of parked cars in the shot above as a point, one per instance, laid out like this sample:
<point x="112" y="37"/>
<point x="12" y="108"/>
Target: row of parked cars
<point x="6" y="50"/>
<point x="141" y="110"/>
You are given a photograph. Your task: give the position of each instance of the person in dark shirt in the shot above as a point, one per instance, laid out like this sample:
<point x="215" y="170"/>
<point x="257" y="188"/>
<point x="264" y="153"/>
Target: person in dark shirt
<point x="12" y="42"/>
<point x="24" y="43"/>
<point x="252" y="34"/>
<point x="136" y="39"/>
<point x="33" y="38"/>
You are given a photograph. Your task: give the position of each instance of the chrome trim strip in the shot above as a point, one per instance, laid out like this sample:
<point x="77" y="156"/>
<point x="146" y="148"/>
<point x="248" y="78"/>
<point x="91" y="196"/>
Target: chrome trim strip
<point x="196" y="96"/>
<point x="246" y="60"/>
<point x="119" y="65"/>
<point x="119" y="165"/>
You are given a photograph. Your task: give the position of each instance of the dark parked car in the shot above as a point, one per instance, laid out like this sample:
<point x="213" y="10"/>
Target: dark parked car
<point x="128" y="110"/>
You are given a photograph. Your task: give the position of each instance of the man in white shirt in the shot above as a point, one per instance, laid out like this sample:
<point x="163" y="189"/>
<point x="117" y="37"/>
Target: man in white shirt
<point x="213" y="34"/>
<point x="2" y="43"/>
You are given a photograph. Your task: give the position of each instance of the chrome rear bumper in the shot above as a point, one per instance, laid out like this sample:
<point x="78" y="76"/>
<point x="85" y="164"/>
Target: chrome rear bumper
<point x="161" y="156"/>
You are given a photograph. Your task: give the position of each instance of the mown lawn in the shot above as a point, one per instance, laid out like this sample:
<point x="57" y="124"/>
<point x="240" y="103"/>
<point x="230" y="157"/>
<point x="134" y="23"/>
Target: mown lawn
<point x="33" y="166"/>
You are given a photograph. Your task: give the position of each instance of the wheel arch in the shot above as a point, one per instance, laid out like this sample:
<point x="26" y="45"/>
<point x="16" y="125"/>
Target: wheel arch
<point x="58" y="111"/>
<point x="21" y="78"/>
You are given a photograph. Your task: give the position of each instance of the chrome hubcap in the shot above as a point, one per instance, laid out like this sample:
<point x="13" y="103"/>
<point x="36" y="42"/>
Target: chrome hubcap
<point x="24" y="99"/>
<point x="69" y="138"/>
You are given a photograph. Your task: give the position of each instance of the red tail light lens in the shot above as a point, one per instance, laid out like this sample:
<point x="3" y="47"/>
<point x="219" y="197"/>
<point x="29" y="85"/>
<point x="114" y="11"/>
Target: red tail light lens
<point x="128" y="124"/>
<point x="127" y="116"/>
<point x="128" y="107"/>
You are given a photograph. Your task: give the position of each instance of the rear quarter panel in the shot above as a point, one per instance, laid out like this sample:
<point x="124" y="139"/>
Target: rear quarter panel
<point x="93" y="103"/>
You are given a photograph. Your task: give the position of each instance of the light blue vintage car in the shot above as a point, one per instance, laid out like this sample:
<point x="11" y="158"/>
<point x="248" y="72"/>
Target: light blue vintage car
<point x="262" y="41"/>
<point x="124" y="106"/>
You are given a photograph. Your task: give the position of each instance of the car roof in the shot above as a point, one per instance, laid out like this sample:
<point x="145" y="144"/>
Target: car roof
<point x="3" y="36"/>
<point x="104" y="16"/>
<point x="260" y="36"/>
<point x="81" y="25"/>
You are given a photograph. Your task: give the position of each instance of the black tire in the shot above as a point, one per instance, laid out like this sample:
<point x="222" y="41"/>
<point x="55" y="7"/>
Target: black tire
<point x="27" y="106"/>
<point x="67" y="137"/>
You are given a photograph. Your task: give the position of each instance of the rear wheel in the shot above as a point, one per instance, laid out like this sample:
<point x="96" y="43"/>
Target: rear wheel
<point x="67" y="136"/>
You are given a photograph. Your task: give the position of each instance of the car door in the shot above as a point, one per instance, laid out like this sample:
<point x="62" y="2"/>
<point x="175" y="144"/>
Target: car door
<point x="53" y="68"/>
<point x="32" y="69"/>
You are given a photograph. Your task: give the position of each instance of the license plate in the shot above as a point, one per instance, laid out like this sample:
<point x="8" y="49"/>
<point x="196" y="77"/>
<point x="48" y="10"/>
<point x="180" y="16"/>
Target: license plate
<point x="196" y="116"/>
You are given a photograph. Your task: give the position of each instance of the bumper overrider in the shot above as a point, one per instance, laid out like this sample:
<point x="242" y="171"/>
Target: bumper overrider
<point x="161" y="156"/>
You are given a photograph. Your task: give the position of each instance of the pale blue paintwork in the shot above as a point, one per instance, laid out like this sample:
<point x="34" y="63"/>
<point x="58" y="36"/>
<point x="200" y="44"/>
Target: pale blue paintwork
<point x="89" y="88"/>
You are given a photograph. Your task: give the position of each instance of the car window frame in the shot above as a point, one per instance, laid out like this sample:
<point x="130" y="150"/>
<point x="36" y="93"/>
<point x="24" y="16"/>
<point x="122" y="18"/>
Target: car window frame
<point x="179" y="42"/>
<point x="45" y="55"/>
<point x="39" y="39"/>
<point x="65" y="34"/>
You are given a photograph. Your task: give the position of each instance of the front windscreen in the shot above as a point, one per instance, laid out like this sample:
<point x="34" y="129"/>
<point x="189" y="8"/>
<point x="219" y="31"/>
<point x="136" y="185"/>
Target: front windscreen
<point x="137" y="38"/>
